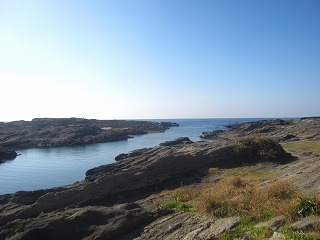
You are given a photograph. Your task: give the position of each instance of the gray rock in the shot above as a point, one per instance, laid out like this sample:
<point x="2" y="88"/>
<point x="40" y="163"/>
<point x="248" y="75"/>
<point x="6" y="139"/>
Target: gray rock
<point x="277" y="236"/>
<point x="274" y="223"/>
<point x="188" y="226"/>
<point x="91" y="222"/>
<point x="310" y="222"/>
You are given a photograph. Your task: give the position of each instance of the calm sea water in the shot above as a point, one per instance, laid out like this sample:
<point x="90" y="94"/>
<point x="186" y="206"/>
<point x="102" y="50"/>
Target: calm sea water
<point x="46" y="168"/>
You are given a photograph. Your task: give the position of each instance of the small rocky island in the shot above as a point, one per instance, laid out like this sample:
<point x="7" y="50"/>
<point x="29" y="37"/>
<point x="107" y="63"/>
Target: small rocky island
<point x="58" y="132"/>
<point x="248" y="184"/>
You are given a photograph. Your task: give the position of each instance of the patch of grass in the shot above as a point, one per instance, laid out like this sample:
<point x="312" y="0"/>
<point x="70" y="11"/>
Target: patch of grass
<point x="18" y="228"/>
<point x="261" y="233"/>
<point x="246" y="227"/>
<point x="264" y="215"/>
<point x="181" y="199"/>
<point x="240" y="195"/>
<point x="243" y="195"/>
<point x="177" y="205"/>
<point x="296" y="235"/>
<point x="213" y="170"/>
<point x="254" y="175"/>
<point x="303" y="146"/>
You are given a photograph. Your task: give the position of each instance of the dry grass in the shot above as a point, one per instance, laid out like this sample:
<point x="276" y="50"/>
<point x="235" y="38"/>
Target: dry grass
<point x="241" y="195"/>
<point x="303" y="146"/>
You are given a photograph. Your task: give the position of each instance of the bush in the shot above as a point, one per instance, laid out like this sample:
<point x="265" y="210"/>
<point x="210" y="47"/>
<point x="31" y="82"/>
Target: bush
<point x="306" y="207"/>
<point x="253" y="149"/>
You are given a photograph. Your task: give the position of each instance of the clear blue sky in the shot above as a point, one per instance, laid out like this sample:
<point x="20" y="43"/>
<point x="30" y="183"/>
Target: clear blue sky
<point x="159" y="58"/>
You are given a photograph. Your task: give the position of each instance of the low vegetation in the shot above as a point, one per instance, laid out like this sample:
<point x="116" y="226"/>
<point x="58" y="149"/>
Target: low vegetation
<point x="250" y="197"/>
<point x="253" y="149"/>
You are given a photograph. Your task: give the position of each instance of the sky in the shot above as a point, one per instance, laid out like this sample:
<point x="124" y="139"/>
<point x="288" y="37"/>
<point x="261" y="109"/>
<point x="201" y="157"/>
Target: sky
<point x="157" y="59"/>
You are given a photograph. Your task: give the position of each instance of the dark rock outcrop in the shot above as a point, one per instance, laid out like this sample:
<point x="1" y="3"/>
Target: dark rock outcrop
<point x="181" y="140"/>
<point x="133" y="153"/>
<point x="211" y="135"/>
<point x="7" y="154"/>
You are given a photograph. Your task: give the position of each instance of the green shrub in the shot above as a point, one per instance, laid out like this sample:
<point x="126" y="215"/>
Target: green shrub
<point x="306" y="207"/>
<point x="253" y="149"/>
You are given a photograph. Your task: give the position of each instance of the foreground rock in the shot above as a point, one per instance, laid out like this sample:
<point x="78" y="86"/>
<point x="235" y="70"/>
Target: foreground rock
<point x="175" y="227"/>
<point x="55" y="132"/>
<point x="128" y="180"/>
<point x="123" y="221"/>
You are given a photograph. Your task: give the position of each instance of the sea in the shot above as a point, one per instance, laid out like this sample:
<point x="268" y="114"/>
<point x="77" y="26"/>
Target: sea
<point x="40" y="168"/>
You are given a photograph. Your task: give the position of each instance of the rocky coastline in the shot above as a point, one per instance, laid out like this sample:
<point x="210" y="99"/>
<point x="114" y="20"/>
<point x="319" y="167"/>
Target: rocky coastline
<point x="60" y="132"/>
<point x="120" y="200"/>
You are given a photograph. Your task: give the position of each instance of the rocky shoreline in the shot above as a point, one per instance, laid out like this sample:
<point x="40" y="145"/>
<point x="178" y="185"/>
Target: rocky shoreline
<point x="118" y="200"/>
<point x="59" y="132"/>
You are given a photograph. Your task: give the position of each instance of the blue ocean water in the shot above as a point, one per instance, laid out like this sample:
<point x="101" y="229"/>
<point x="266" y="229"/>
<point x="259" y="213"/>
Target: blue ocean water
<point x="45" y="168"/>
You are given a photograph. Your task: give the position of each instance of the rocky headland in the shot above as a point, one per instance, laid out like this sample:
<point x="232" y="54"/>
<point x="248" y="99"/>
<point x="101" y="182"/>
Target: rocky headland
<point x="129" y="199"/>
<point x="58" y="132"/>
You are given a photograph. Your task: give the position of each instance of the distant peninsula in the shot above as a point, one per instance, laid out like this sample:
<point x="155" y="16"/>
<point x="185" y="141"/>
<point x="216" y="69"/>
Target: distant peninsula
<point x="58" y="132"/>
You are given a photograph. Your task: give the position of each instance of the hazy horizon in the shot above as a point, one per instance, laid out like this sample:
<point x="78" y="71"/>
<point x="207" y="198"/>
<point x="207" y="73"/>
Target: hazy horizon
<point x="155" y="119"/>
<point x="169" y="59"/>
